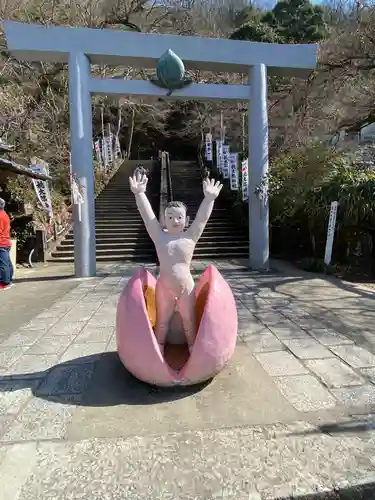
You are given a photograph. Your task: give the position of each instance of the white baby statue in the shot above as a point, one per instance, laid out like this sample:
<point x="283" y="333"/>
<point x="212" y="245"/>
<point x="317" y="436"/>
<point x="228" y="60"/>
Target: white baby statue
<point x="175" y="248"/>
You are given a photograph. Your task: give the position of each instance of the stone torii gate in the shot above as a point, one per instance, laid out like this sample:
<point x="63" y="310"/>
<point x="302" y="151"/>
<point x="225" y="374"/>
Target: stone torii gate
<point x="80" y="47"/>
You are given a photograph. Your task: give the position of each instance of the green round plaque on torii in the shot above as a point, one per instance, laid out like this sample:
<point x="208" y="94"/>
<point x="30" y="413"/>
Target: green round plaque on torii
<point x="170" y="73"/>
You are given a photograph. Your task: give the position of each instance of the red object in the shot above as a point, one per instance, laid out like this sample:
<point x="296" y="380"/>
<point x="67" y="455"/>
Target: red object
<point x="4" y="229"/>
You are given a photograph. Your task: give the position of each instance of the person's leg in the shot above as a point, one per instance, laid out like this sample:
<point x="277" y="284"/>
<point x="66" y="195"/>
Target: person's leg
<point x="11" y="269"/>
<point x="165" y="306"/>
<point x="4" y="266"/>
<point x="187" y="310"/>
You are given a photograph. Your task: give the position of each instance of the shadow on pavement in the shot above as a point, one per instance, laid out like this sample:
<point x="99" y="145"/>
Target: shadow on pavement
<point x="127" y="273"/>
<point x="358" y="492"/>
<point x="30" y="279"/>
<point x="343" y="307"/>
<point x="354" y="426"/>
<point x="97" y="380"/>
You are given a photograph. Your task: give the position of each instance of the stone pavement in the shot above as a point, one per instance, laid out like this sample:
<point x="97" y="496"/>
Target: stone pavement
<point x="37" y="289"/>
<point x="292" y="415"/>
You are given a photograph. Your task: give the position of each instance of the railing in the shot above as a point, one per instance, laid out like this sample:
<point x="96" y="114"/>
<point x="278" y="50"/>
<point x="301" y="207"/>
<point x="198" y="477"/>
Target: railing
<point x="201" y="162"/>
<point x="169" y="177"/>
<point x="165" y="184"/>
<point x="206" y="167"/>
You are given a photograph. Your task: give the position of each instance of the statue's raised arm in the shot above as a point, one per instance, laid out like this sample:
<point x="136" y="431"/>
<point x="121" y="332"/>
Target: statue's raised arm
<point x="211" y="190"/>
<point x="138" y="184"/>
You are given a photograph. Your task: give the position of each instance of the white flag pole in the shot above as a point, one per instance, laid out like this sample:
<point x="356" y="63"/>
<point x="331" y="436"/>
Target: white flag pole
<point x="330" y="233"/>
<point x="117" y="146"/>
<point x="102" y="120"/>
<point x="221" y="126"/>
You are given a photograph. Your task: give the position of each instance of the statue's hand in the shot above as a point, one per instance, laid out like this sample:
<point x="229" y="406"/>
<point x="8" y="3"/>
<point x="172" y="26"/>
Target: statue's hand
<point x="138" y="183"/>
<point x="211" y="189"/>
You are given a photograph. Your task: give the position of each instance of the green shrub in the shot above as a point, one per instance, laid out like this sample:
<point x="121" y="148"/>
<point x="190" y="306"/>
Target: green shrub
<point x="302" y="185"/>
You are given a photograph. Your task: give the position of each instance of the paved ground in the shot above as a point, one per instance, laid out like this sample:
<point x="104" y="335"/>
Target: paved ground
<point x="37" y="289"/>
<point x="292" y="415"/>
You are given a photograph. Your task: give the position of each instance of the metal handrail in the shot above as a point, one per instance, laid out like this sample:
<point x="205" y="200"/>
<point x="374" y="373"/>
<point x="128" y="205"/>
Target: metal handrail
<point x="169" y="178"/>
<point x="165" y="184"/>
<point x="163" y="187"/>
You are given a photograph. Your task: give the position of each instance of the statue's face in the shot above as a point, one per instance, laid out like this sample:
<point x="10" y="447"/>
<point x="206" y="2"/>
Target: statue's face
<point x="175" y="219"/>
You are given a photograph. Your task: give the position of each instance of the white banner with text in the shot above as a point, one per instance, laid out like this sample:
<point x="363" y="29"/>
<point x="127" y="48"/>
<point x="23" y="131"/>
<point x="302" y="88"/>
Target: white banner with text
<point x="245" y="179"/>
<point x="233" y="171"/>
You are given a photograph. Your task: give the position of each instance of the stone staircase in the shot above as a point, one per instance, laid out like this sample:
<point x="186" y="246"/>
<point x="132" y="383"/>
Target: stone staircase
<point x="120" y="232"/>
<point x="222" y="238"/>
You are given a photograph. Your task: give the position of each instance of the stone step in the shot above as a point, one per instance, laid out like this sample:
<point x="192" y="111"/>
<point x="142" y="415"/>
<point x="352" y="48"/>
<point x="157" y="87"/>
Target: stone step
<point x="124" y="225"/>
<point x="117" y="197"/>
<point x="130" y="210"/>
<point x="218" y="245"/>
<point x="125" y="237"/>
<point x="119" y="252"/>
<point x="120" y="232"/>
<point x="237" y="243"/>
<point x="103" y="223"/>
<point x="136" y="257"/>
<point x="118" y="201"/>
<point x="115" y="245"/>
<point x="212" y="255"/>
<point x="121" y="229"/>
<point x="117" y="189"/>
<point x="218" y="223"/>
<point x="116" y="204"/>
<point x="222" y="248"/>
<point x="104" y="238"/>
<point x="221" y="239"/>
<point x="117" y="216"/>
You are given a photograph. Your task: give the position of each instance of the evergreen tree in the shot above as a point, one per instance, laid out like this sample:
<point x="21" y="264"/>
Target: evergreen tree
<point x="290" y="21"/>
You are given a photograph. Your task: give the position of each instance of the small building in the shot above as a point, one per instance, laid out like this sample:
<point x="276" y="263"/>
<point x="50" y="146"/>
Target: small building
<point x="362" y="132"/>
<point x="21" y="214"/>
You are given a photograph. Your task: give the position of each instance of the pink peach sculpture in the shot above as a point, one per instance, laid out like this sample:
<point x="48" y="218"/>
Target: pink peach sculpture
<point x="149" y="345"/>
<point x="216" y="323"/>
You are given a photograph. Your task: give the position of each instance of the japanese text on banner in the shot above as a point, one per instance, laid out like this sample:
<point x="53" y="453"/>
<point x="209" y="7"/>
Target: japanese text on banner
<point x="219" y="160"/>
<point x="226" y="153"/>
<point x="110" y="148"/>
<point x="233" y="161"/>
<point x="208" y="147"/>
<point x="245" y="180"/>
<point x="42" y="189"/>
<point x="98" y="152"/>
<point x="117" y="148"/>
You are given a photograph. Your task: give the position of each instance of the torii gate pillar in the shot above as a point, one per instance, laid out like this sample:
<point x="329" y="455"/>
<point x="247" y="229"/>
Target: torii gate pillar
<point x="258" y="169"/>
<point x="82" y="164"/>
